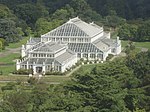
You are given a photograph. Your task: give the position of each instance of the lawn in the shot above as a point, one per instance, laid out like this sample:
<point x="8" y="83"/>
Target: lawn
<point x="124" y="43"/>
<point x="9" y="59"/>
<point x="85" y="68"/>
<point x="24" y="78"/>
<point x="7" y="69"/>
<point x="14" y="78"/>
<point x="137" y="44"/>
<point x="55" y="79"/>
<point x="143" y="44"/>
<point x="7" y="63"/>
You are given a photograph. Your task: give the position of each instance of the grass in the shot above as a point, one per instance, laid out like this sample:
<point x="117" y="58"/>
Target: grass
<point x="85" y="68"/>
<point x="9" y="58"/>
<point x="138" y="45"/>
<point x="18" y="44"/>
<point x="14" y="78"/>
<point x="7" y="63"/>
<point x="143" y="44"/>
<point x="24" y="78"/>
<point x="124" y="43"/>
<point x="7" y="69"/>
<point x="55" y="79"/>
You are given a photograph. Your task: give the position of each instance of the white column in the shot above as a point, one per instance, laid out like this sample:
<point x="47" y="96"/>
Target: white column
<point x="104" y="56"/>
<point x="34" y="68"/>
<point x="23" y="51"/>
<point x="27" y="65"/>
<point x="43" y="68"/>
<point x="81" y="55"/>
<point x="17" y="65"/>
<point x="53" y="66"/>
<point x="88" y="56"/>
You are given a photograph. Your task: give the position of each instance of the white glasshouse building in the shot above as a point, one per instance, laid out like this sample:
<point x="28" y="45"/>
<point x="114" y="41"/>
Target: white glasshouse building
<point x="62" y="47"/>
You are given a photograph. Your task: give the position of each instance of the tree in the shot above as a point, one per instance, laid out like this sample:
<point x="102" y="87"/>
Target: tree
<point x="8" y="30"/>
<point x="128" y="32"/>
<point x="18" y="101"/>
<point x="102" y="86"/>
<point x="140" y="64"/>
<point x="30" y="13"/>
<point x="43" y="25"/>
<point x="6" y="107"/>
<point x="112" y="20"/>
<point x="144" y="31"/>
<point x="61" y="14"/>
<point x="83" y="10"/>
<point x="5" y="12"/>
<point x="20" y="32"/>
<point x="28" y="31"/>
<point x="129" y="48"/>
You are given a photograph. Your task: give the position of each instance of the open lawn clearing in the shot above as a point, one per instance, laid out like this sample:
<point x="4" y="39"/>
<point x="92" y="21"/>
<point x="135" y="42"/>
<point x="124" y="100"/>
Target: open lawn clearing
<point x="143" y="44"/>
<point x="7" y="69"/>
<point x="85" y="68"/>
<point x="24" y="78"/>
<point x="137" y="44"/>
<point x="7" y="63"/>
<point x="55" y="79"/>
<point x="9" y="59"/>
<point x="14" y="78"/>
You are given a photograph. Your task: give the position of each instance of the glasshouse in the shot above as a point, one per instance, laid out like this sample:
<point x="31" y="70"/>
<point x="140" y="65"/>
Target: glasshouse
<point x="62" y="47"/>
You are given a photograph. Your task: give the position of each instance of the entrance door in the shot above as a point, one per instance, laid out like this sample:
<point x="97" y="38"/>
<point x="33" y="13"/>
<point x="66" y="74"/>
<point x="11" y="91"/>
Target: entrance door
<point x="38" y="69"/>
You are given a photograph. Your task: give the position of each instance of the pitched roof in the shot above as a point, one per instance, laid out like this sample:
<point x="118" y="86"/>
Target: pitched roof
<point x="49" y="47"/>
<point x="83" y="47"/>
<point x="110" y="42"/>
<point x="75" y="27"/>
<point x="101" y="45"/>
<point x="65" y="56"/>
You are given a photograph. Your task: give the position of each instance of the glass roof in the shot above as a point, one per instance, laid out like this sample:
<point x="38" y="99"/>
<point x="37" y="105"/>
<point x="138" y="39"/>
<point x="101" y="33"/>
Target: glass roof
<point x="83" y="47"/>
<point x="68" y="30"/>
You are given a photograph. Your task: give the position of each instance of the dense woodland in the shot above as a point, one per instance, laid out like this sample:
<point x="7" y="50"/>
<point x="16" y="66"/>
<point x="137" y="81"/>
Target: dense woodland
<point x="119" y="86"/>
<point x="20" y="18"/>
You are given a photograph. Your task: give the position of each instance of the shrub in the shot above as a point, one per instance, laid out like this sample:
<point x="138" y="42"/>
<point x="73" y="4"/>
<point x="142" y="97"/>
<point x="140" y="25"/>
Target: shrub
<point x="32" y="80"/>
<point x="23" y="71"/>
<point x="109" y="57"/>
<point x="54" y="73"/>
